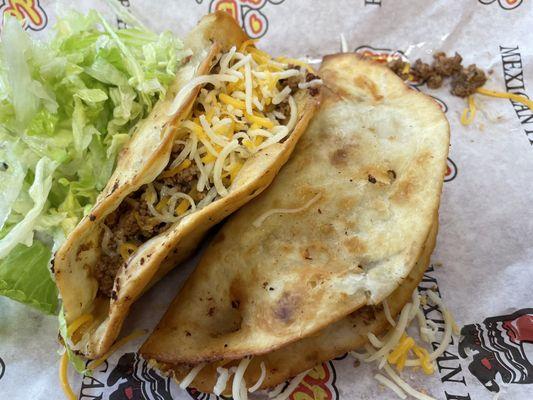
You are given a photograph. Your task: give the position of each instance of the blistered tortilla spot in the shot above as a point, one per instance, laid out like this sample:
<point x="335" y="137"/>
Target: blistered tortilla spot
<point x="404" y="191"/>
<point x="92" y="217"/>
<point x="339" y="157"/>
<point x="327" y="229"/>
<point x="347" y="203"/>
<point x="368" y="85"/>
<point x="286" y="306"/>
<point x="306" y="255"/>
<point x="355" y="245"/>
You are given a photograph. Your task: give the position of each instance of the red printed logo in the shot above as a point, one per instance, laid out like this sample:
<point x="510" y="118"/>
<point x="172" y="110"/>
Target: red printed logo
<point x="505" y="4"/>
<point x="499" y="349"/>
<point x="451" y="170"/>
<point x="29" y="11"/>
<point x="319" y="383"/>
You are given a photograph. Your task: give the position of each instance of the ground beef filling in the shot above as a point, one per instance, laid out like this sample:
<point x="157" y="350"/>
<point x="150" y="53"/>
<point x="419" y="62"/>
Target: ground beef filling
<point x="133" y="223"/>
<point x="464" y="81"/>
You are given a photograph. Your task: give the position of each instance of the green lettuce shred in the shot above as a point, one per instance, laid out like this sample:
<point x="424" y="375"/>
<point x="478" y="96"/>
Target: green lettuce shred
<point x="67" y="107"/>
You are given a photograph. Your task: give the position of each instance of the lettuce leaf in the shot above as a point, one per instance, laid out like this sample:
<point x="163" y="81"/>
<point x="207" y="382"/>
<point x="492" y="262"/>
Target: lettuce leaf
<point x="24" y="277"/>
<point x="67" y="107"/>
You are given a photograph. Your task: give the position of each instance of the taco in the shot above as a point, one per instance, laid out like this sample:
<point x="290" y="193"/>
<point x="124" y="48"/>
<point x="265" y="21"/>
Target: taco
<point x="342" y="227"/>
<point x="227" y="125"/>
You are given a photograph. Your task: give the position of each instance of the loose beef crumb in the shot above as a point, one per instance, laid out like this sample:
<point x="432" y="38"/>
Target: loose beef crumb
<point x="468" y="81"/>
<point x="399" y="67"/>
<point x="422" y="71"/>
<point x="464" y="81"/>
<point x="447" y="66"/>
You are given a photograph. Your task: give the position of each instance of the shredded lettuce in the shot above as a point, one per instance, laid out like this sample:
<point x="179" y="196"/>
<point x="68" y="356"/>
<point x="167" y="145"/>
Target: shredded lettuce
<point x="67" y="107"/>
<point x="24" y="277"/>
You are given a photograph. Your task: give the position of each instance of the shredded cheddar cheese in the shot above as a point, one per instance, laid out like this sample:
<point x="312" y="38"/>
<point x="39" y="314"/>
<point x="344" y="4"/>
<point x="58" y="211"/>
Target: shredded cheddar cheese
<point x="78" y="323"/>
<point x="63" y="378"/>
<point x="468" y="115"/>
<point x="396" y="346"/>
<point x="247" y="107"/>
<point x="96" y="363"/>
<point x="504" y="95"/>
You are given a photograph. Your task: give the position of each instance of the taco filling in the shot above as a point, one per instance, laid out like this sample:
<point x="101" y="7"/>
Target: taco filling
<point x="246" y="104"/>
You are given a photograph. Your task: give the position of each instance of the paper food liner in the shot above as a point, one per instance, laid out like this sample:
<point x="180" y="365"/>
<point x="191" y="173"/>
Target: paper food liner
<point x="482" y="262"/>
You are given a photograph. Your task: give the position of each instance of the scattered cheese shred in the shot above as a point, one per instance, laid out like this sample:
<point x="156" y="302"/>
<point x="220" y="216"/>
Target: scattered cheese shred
<point x="292" y="386"/>
<point x="344" y="44"/>
<point x="260" y="380"/>
<point x="469" y="113"/>
<point x="78" y="323"/>
<point x="189" y="378"/>
<point x="259" y="221"/>
<point x="396" y="345"/>
<point x="386" y="311"/>
<point x="238" y="380"/>
<point x="63" y="377"/>
<point x="505" y="95"/>
<point x="96" y="363"/>
<point x="222" y="380"/>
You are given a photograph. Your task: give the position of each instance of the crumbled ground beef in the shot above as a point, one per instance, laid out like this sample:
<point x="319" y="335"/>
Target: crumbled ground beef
<point x="107" y="268"/>
<point x="132" y="222"/>
<point x="464" y="81"/>
<point x="467" y="81"/>
<point x="447" y="66"/>
<point x="291" y="82"/>
<point x="399" y="67"/>
<point x="183" y="180"/>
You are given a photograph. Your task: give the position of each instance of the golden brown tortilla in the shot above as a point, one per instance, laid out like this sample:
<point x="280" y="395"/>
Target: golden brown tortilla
<point x="141" y="162"/>
<point x="375" y="155"/>
<point x="346" y="335"/>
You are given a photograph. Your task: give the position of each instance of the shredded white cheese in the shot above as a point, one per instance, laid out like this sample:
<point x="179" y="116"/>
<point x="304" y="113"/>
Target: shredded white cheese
<point x="292" y="386"/>
<point x="222" y="381"/>
<point x="386" y="311"/>
<point x="197" y="81"/>
<point x="344" y="45"/>
<point x="260" y="380"/>
<point x="259" y="221"/>
<point x="310" y="84"/>
<point x="276" y="391"/>
<point x="190" y="376"/>
<point x="238" y="380"/>
<point x="396" y="344"/>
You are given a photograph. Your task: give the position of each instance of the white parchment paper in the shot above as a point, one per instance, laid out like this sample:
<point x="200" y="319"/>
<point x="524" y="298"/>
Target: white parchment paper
<point x="482" y="262"/>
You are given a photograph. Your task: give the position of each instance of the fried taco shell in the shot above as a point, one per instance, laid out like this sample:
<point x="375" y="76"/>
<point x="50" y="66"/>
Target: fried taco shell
<point x="348" y="334"/>
<point x="227" y="125"/>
